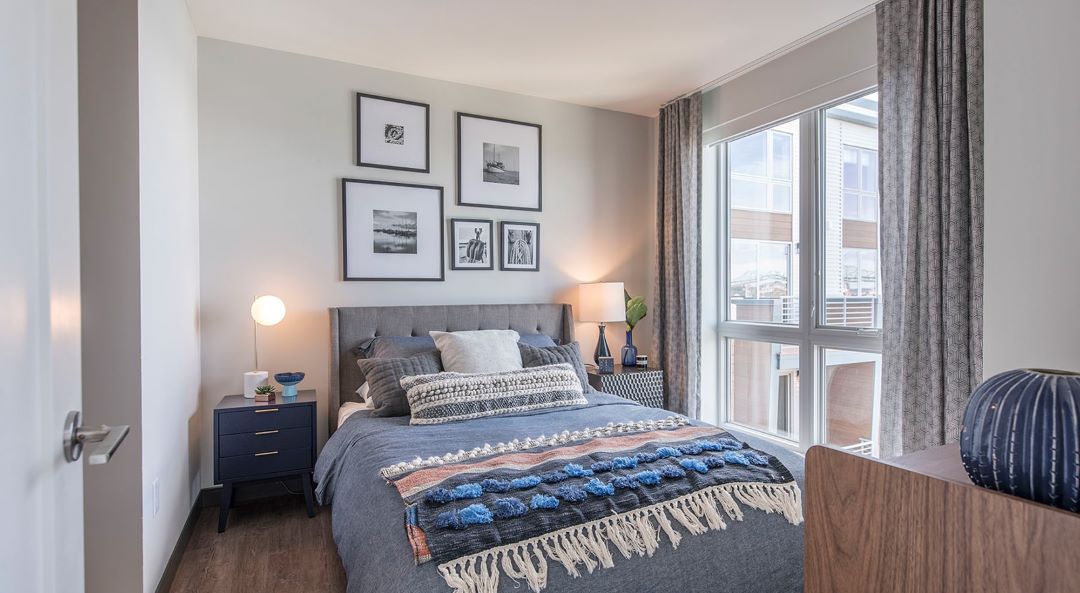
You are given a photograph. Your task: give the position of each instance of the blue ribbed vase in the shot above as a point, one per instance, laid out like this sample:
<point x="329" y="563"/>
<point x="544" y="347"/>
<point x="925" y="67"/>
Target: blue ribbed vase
<point x="1021" y="436"/>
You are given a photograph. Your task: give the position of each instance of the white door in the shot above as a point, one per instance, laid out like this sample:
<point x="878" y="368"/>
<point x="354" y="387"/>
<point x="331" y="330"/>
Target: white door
<point x="41" y="548"/>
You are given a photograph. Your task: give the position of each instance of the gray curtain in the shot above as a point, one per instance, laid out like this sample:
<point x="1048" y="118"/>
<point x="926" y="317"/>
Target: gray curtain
<point x="677" y="320"/>
<point x="930" y="80"/>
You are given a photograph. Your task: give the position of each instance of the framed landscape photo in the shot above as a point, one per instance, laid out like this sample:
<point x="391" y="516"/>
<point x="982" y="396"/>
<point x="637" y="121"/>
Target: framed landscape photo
<point x="471" y="246"/>
<point x="520" y="249"/>
<point x="499" y="164"/>
<point x="392" y="133"/>
<point x="391" y="231"/>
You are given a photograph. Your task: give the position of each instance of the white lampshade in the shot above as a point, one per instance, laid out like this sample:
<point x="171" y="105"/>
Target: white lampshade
<point x="268" y="310"/>
<point x="601" y="302"/>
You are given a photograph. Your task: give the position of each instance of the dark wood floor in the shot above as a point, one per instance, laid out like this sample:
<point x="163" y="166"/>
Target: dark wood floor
<point x="270" y="546"/>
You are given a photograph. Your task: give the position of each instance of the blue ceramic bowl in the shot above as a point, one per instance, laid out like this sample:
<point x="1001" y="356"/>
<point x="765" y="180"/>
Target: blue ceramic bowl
<point x="288" y="381"/>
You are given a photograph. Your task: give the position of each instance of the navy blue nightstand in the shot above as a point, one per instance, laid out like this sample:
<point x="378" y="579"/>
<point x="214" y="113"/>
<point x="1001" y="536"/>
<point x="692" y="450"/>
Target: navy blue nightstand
<point x="263" y="441"/>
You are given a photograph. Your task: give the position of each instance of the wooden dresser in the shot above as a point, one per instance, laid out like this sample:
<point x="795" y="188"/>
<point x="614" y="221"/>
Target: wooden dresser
<point x="916" y="524"/>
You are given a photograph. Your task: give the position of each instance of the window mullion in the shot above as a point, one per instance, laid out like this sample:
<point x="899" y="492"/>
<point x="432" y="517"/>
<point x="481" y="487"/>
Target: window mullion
<point x="809" y="400"/>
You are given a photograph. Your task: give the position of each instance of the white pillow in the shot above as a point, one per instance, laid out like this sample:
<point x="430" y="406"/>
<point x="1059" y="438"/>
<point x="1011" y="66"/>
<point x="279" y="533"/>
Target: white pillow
<point x="482" y="351"/>
<point x="362" y="391"/>
<point x="348" y="409"/>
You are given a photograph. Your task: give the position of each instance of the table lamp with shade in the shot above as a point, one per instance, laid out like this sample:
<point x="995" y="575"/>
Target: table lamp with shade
<point x="603" y="303"/>
<point x="266" y="310"/>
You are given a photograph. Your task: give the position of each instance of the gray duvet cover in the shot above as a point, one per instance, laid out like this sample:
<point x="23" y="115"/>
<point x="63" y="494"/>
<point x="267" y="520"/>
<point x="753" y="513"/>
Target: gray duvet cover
<point x="761" y="554"/>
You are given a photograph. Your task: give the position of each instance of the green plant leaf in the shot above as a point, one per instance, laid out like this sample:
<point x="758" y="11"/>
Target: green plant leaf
<point x="636" y="310"/>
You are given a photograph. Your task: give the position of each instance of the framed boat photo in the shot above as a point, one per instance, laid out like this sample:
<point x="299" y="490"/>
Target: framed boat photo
<point x="391" y="231"/>
<point x="471" y="245"/>
<point x="499" y="163"/>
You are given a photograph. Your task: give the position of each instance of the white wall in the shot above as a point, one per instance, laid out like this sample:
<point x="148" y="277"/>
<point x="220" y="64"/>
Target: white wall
<point x="1032" y="286"/>
<point x="169" y="264"/>
<point x="275" y="139"/>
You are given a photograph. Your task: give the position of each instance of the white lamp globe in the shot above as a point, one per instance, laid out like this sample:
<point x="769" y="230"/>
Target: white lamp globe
<point x="268" y="310"/>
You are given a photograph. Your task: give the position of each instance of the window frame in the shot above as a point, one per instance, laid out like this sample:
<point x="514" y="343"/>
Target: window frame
<point x="770" y="180"/>
<point x="811" y="334"/>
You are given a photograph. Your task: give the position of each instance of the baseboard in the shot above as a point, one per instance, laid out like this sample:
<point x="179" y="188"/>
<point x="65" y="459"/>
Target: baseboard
<point x="169" y="574"/>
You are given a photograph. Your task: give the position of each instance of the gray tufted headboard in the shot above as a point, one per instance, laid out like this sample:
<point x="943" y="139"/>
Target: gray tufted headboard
<point x="349" y="326"/>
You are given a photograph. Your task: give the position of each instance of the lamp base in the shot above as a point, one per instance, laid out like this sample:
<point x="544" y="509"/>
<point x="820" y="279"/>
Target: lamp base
<point x="601" y="346"/>
<point x="253" y="379"/>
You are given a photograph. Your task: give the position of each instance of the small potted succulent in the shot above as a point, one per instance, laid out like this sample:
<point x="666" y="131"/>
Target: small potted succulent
<point x="264" y="393"/>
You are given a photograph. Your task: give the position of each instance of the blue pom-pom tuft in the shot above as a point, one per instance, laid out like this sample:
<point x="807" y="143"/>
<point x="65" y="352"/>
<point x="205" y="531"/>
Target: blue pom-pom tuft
<point x="508" y="508"/>
<point x="672" y="472"/>
<point x="438" y="496"/>
<point x="570" y="493"/>
<point x="524" y="482"/>
<point x="624" y="463"/>
<point x="624" y="483"/>
<point x="709" y="445"/>
<point x="553" y="477"/>
<point x="449" y="520"/>
<point x="543" y="501"/>
<point x="496" y="486"/>
<point x="713" y="461"/>
<point x="730" y="444"/>
<point x="601" y="466"/>
<point x="755" y="458"/>
<point x="475" y="514"/>
<point x="598" y="488"/>
<point x="665" y="452"/>
<point x="466" y="491"/>
<point x="646" y="457"/>
<point x="689" y="449"/>
<point x="647" y="477"/>
<point x="576" y="471"/>
<point x="736" y="458"/>
<point x="694" y="465"/>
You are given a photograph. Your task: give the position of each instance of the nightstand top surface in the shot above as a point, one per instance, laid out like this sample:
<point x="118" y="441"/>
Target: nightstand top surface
<point x="621" y="370"/>
<point x="239" y="402"/>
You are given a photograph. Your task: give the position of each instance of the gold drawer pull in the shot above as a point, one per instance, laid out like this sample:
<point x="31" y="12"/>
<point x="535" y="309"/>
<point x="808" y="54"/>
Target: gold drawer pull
<point x="266" y="453"/>
<point x="266" y="432"/>
<point x="265" y="411"/>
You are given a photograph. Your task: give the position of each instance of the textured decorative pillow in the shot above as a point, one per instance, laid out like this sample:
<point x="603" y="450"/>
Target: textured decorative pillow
<point x="568" y="353"/>
<point x="384" y="380"/>
<point x="482" y="351"/>
<point x="446" y="397"/>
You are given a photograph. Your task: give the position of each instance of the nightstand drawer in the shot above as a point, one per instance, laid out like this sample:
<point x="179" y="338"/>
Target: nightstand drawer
<point x="264" y="440"/>
<point x="261" y="419"/>
<point x="264" y="462"/>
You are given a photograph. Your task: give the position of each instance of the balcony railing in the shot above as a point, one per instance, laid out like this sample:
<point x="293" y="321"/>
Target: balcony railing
<point x="840" y="311"/>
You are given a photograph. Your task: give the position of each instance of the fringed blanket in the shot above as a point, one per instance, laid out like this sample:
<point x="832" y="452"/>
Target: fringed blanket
<point x="572" y="497"/>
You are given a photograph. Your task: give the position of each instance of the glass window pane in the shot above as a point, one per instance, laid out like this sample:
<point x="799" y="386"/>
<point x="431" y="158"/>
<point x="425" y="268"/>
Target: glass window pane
<point x="849" y="279"/>
<point x="852" y="386"/>
<point x="774" y="265"/>
<point x="743" y="270"/>
<point x="781" y="198"/>
<point x="747" y="155"/>
<point x="781" y="155"/>
<point x="763" y="386"/>
<point x="748" y="194"/>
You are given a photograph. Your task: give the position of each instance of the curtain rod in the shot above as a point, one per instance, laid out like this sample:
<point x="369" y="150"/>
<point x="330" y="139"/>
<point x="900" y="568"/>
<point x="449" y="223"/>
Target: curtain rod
<point x="794" y="45"/>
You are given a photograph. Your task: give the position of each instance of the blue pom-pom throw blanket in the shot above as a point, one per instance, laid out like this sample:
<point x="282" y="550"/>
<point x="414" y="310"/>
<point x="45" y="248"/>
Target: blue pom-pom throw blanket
<point x="580" y="499"/>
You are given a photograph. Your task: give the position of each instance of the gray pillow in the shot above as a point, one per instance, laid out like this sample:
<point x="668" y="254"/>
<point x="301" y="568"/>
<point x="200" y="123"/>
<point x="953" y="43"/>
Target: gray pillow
<point x="400" y="346"/>
<point x="568" y="353"/>
<point x="482" y="351"/>
<point x="537" y="340"/>
<point x="384" y="380"/>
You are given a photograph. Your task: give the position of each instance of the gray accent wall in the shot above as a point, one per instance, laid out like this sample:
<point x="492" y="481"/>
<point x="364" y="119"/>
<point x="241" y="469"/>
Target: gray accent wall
<point x="276" y="135"/>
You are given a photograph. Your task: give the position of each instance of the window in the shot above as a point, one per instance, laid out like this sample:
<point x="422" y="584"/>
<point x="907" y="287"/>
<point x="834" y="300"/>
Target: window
<point x="800" y="298"/>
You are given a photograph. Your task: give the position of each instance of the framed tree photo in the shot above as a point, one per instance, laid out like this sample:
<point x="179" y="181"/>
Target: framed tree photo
<point x="391" y="231"/>
<point x="471" y="246"/>
<point x="392" y="133"/>
<point x="499" y="163"/>
<point x="520" y="249"/>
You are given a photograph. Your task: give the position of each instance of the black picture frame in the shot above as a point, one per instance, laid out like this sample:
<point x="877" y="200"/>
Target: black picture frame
<point x="461" y="198"/>
<point x="427" y="133"/>
<point x="345" y="232"/>
<point x="504" y="250"/>
<point x="491" y="244"/>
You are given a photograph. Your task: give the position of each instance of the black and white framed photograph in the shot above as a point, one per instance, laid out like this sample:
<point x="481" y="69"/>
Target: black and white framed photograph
<point x="391" y="231"/>
<point x="520" y="249"/>
<point x="471" y="246"/>
<point x="392" y="133"/>
<point x="499" y="163"/>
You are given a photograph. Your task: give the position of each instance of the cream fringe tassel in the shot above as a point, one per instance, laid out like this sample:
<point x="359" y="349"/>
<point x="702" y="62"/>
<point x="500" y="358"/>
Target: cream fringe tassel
<point x="631" y="533"/>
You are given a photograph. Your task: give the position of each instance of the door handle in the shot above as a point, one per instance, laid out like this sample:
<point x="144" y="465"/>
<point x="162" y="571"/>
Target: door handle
<point x="75" y="436"/>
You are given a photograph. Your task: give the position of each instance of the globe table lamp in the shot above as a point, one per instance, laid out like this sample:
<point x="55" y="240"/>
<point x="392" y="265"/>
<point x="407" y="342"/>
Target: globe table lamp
<point x="266" y="310"/>
<point x="602" y="303"/>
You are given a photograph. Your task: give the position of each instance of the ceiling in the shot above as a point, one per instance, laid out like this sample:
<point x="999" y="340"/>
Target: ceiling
<point x="625" y="55"/>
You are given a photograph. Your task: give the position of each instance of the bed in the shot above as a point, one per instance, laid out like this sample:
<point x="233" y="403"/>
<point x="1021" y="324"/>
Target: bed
<point x="762" y="552"/>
